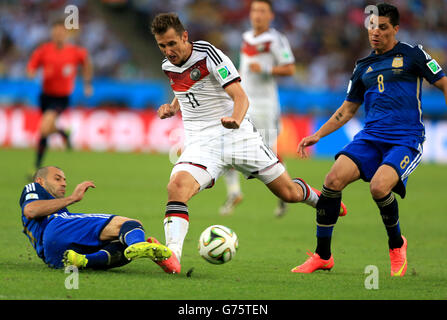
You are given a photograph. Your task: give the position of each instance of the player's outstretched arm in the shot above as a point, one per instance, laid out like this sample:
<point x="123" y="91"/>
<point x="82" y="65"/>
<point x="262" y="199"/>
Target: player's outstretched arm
<point x="343" y="114"/>
<point x="168" y="110"/>
<point x="284" y="70"/>
<point x="42" y="208"/>
<point x="441" y="84"/>
<point x="240" y="108"/>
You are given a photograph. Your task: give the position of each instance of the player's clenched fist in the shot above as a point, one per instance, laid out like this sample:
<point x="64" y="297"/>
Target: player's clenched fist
<point x="166" y="111"/>
<point x="230" y="123"/>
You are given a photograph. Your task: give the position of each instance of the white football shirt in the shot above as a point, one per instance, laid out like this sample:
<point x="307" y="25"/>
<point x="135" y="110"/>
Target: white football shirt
<point x="269" y="49"/>
<point x="199" y="85"/>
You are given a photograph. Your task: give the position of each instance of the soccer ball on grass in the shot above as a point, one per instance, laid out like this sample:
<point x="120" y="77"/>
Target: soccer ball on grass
<point x="218" y="244"/>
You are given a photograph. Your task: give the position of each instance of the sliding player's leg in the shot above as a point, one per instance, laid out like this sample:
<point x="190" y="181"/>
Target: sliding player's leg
<point x="111" y="255"/>
<point x="79" y="235"/>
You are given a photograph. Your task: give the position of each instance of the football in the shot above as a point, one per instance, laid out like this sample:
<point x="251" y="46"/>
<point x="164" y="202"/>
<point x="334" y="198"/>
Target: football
<point x="218" y="244"/>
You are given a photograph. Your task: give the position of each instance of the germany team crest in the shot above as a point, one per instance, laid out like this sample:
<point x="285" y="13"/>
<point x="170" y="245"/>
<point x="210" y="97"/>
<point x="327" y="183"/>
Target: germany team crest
<point x="195" y="74"/>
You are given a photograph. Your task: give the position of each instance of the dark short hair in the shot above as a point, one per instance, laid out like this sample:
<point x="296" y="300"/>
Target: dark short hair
<point x="390" y="11"/>
<point x="164" y="21"/>
<point x="43" y="172"/>
<point x="269" y="2"/>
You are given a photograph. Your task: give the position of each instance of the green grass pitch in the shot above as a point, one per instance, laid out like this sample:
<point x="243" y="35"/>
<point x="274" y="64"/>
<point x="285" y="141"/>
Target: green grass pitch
<point x="134" y="185"/>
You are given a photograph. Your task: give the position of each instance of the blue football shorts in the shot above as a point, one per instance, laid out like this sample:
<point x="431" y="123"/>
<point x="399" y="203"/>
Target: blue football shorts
<point x="79" y="232"/>
<point x="369" y="155"/>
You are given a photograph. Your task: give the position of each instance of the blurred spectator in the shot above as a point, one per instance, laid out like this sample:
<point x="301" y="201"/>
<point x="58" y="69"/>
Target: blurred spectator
<point x="25" y="24"/>
<point x="327" y="36"/>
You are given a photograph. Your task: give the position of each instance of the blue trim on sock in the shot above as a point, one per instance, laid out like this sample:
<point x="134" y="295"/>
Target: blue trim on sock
<point x="393" y="231"/>
<point x="324" y="232"/>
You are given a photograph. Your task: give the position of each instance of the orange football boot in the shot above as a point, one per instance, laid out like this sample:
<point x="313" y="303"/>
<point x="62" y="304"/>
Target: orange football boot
<point x="314" y="263"/>
<point x="170" y="265"/>
<point x="398" y="258"/>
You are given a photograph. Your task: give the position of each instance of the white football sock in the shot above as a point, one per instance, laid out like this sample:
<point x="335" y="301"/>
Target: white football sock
<point x="310" y="196"/>
<point x="312" y="199"/>
<point x="176" y="229"/>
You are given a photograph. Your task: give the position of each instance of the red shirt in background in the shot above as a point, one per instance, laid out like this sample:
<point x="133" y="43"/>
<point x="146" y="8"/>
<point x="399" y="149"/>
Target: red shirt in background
<point x="59" y="66"/>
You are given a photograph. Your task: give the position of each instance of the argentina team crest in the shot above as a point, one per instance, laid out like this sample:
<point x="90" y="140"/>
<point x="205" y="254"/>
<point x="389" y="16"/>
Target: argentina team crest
<point x="398" y="62"/>
<point x="195" y="74"/>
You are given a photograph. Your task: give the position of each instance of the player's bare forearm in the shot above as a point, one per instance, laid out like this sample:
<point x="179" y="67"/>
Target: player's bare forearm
<point x="337" y="120"/>
<point x="343" y="114"/>
<point x="43" y="208"/>
<point x="279" y="70"/>
<point x="285" y="70"/>
<point x="240" y="108"/>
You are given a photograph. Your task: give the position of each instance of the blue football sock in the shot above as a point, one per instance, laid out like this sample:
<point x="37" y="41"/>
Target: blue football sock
<point x="389" y="210"/>
<point x="328" y="210"/>
<point x="109" y="256"/>
<point x="97" y="259"/>
<point x="132" y="232"/>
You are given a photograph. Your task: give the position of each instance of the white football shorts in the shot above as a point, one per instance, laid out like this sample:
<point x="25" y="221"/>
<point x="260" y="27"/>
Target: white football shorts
<point x="207" y="158"/>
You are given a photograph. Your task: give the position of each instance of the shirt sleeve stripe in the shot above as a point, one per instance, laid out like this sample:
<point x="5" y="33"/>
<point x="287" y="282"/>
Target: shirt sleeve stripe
<point x="238" y="79"/>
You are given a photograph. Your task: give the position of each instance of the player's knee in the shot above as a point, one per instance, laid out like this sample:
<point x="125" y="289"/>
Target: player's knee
<point x="379" y="189"/>
<point x="292" y="193"/>
<point x="175" y="185"/>
<point x="126" y="227"/>
<point x="45" y="131"/>
<point x="136" y="221"/>
<point x="333" y="181"/>
<point x="119" y="221"/>
<point x="112" y="229"/>
<point x="181" y="188"/>
<point x="48" y="124"/>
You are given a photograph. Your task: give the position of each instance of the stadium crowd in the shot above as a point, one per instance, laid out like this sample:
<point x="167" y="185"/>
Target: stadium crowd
<point x="326" y="35"/>
<point x="24" y="24"/>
